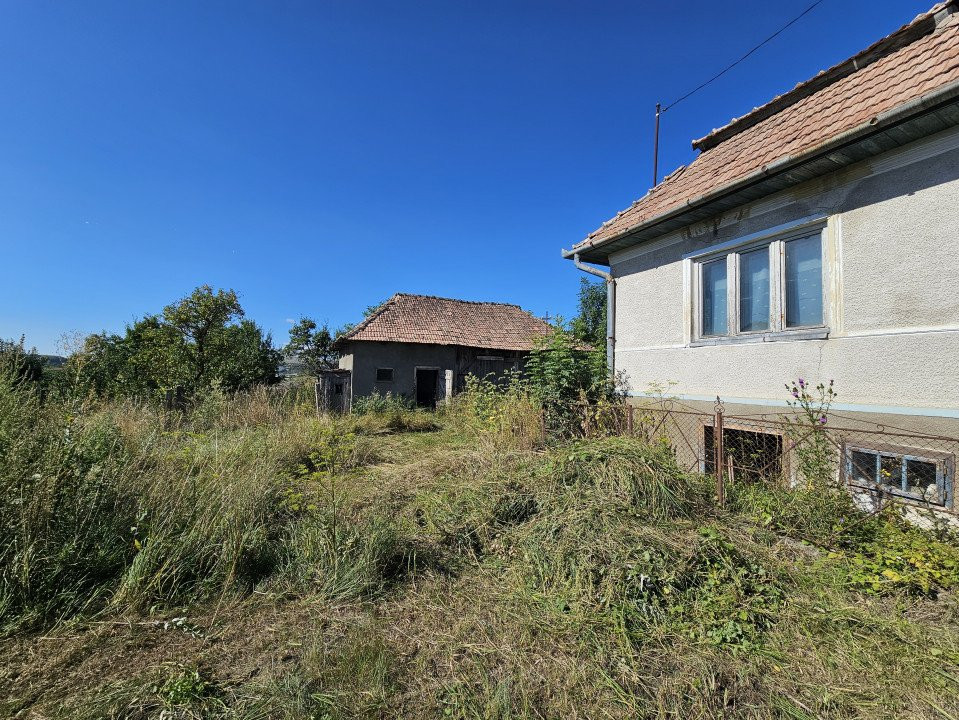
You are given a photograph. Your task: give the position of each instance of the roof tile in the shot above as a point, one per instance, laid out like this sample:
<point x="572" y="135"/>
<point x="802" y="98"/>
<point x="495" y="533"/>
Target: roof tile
<point x="444" y="321"/>
<point x="907" y="72"/>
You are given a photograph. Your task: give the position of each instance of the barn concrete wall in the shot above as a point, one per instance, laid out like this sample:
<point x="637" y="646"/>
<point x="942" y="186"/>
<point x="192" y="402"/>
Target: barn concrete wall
<point x="892" y="225"/>
<point x="363" y="358"/>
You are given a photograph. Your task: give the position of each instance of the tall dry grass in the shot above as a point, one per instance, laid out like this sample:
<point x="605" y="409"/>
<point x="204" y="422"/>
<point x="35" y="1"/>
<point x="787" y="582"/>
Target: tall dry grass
<point x="121" y="505"/>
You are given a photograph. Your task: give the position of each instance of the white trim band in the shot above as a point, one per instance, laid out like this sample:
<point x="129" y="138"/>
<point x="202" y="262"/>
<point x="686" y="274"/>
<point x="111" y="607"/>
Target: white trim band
<point x="847" y="407"/>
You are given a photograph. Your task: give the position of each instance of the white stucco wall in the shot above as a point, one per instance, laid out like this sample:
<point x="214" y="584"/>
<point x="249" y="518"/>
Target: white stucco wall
<point x="891" y="244"/>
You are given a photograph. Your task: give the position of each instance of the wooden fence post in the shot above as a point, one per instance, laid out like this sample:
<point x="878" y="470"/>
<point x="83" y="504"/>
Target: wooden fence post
<point x="719" y="458"/>
<point x="629" y="420"/>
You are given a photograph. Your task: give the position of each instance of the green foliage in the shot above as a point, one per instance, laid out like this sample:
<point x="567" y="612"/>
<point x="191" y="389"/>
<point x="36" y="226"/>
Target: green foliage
<point x="20" y="364"/>
<point x="313" y="345"/>
<point x="196" y="343"/>
<point x="877" y="553"/>
<point x="724" y="596"/>
<point x="186" y="688"/>
<point x="466" y="572"/>
<point x="898" y="557"/>
<point x="501" y="412"/>
<point x="377" y="402"/>
<point x="589" y="325"/>
<point x="194" y="320"/>
<point x="629" y="473"/>
<point x="814" y="451"/>
<point x="564" y="376"/>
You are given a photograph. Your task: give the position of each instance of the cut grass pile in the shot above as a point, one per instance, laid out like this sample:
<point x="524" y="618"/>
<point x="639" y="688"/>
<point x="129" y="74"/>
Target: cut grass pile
<point x="253" y="561"/>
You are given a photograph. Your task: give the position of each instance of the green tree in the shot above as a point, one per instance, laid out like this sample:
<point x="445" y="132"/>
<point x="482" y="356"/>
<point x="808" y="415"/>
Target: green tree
<point x="313" y="345"/>
<point x="193" y="345"/>
<point x="196" y="317"/>
<point x="589" y="325"/>
<point x="23" y="365"/>
<point x="561" y="373"/>
<point x="242" y="356"/>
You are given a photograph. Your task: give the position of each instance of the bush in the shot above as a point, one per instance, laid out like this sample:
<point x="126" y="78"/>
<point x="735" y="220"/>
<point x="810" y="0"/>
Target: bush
<point x="564" y="375"/>
<point x="385" y="403"/>
<point x="502" y="412"/>
<point x="875" y="553"/>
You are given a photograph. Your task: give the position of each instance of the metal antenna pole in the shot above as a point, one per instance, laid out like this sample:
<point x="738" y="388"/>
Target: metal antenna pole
<point x="656" y="148"/>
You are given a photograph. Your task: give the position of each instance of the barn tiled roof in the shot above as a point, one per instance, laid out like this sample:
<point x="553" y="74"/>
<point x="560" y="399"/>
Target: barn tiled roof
<point x="917" y="59"/>
<point x="444" y="321"/>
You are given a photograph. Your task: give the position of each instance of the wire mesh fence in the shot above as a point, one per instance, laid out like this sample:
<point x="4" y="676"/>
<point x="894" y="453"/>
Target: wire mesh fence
<point x="878" y="462"/>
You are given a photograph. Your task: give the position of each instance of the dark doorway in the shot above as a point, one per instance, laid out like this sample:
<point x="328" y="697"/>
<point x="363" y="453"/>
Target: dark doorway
<point x="426" y="381"/>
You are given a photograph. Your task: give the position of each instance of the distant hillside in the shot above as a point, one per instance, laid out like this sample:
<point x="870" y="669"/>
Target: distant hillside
<point x="54" y="360"/>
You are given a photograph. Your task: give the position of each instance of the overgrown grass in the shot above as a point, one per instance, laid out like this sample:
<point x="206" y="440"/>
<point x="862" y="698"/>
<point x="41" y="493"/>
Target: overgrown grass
<point x="347" y="567"/>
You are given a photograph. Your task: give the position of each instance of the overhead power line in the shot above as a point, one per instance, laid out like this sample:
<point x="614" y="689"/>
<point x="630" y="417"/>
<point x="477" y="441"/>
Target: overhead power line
<point x="660" y="109"/>
<point x="725" y="70"/>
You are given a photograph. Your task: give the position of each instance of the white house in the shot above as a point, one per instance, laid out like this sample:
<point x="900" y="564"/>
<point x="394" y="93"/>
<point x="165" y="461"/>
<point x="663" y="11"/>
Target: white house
<point x="816" y="237"/>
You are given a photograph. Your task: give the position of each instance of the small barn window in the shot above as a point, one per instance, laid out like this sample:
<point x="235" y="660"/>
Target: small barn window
<point x="338" y="389"/>
<point x="384" y="374"/>
<point x="915" y="474"/>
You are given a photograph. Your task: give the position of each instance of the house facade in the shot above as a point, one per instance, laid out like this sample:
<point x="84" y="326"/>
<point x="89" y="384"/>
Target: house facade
<point x="815" y="237"/>
<point x="423" y="348"/>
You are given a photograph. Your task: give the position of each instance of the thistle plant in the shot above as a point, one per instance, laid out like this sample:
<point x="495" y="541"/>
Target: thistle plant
<point x="808" y="428"/>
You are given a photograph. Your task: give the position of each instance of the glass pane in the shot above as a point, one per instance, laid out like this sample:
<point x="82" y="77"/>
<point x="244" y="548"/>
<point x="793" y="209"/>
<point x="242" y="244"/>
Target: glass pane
<point x="921" y="479"/>
<point x="890" y="472"/>
<point x="754" y="290"/>
<point x="804" y="282"/>
<point x="863" y="466"/>
<point x="714" y="298"/>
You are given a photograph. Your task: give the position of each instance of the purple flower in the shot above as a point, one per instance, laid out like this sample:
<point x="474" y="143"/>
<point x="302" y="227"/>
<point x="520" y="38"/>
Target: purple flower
<point x="822" y="420"/>
<point x="795" y="393"/>
<point x="802" y="383"/>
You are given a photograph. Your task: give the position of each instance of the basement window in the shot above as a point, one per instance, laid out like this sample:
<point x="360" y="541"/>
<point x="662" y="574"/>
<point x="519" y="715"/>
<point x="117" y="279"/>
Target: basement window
<point x="760" y="290"/>
<point x="910" y="473"/>
<point x="384" y="374"/>
<point x="754" y="455"/>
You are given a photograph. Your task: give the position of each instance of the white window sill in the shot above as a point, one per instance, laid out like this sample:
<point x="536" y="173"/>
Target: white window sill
<point x="747" y="339"/>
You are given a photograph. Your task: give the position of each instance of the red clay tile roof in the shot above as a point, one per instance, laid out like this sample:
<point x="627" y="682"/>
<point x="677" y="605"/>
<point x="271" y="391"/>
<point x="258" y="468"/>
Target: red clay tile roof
<point x="915" y="60"/>
<point x="443" y="321"/>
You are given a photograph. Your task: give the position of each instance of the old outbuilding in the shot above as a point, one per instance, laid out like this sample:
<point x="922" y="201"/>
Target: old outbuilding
<point x="423" y="347"/>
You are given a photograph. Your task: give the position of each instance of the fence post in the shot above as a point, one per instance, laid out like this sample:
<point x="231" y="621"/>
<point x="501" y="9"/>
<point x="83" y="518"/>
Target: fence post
<point x="719" y="456"/>
<point x="629" y="420"/>
<point x="542" y="426"/>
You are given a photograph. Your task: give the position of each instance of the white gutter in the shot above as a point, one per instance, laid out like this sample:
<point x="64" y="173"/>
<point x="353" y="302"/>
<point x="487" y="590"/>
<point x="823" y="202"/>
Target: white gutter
<point x="610" y="312"/>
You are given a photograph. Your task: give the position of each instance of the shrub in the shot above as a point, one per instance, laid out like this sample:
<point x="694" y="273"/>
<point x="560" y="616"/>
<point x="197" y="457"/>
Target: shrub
<point x="504" y="412"/>
<point x="563" y="375"/>
<point x="381" y="403"/>
<point x="875" y="553"/>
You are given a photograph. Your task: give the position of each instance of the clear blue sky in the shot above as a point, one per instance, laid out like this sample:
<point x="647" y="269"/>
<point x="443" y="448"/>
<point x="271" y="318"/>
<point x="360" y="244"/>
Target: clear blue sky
<point x="319" y="156"/>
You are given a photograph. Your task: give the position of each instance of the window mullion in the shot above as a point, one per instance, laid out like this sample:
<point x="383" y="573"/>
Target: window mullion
<point x="776" y="305"/>
<point x="732" y="295"/>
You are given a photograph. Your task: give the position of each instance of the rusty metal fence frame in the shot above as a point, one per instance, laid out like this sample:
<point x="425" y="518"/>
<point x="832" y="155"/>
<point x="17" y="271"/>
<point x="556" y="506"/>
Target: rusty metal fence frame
<point x="706" y="442"/>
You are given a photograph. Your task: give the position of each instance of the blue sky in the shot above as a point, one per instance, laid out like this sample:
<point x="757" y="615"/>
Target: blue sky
<point x="319" y="156"/>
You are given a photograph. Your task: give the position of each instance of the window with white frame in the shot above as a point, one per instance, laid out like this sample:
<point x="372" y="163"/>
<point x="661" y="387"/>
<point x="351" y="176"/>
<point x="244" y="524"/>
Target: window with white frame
<point x="905" y="472"/>
<point x="773" y="286"/>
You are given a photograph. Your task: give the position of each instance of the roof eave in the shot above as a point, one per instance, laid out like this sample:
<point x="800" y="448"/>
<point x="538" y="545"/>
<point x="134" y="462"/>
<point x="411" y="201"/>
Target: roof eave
<point x="599" y="251"/>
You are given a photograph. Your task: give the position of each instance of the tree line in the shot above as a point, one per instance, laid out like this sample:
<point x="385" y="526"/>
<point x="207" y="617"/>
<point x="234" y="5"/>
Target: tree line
<point x="205" y="340"/>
